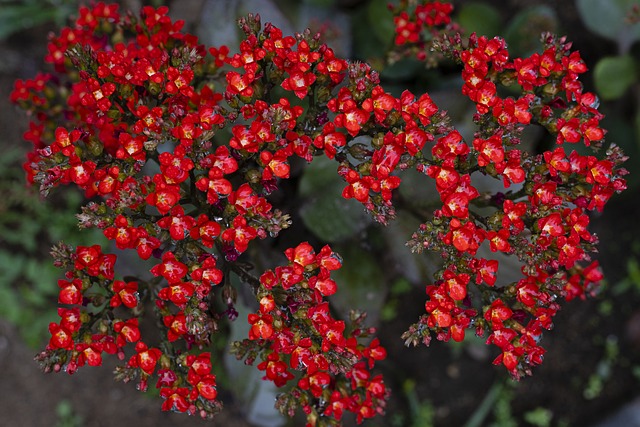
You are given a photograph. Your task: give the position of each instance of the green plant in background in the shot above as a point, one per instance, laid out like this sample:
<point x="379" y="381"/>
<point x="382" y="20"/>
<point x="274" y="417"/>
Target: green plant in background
<point x="602" y="374"/>
<point x="616" y="77"/>
<point x="66" y="415"/>
<point x="19" y="15"/>
<point x="27" y="276"/>
<point x="612" y="354"/>
<point x="421" y="412"/>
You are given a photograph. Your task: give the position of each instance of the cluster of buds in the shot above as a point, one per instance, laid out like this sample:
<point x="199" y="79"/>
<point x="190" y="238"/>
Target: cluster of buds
<point x="180" y="146"/>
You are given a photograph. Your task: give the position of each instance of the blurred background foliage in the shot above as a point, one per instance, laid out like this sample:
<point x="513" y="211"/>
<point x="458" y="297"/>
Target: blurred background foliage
<point x="451" y="384"/>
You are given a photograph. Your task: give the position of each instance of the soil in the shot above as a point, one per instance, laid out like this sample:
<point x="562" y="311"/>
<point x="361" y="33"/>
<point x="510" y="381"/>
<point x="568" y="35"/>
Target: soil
<point x="454" y="379"/>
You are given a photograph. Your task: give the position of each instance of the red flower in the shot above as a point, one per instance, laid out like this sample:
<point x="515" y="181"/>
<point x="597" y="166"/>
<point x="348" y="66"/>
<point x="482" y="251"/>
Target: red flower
<point x="359" y="186"/>
<point x="275" y="370"/>
<point x="170" y="268"/>
<point x="145" y="244"/>
<point x="497" y="313"/>
<point x="178" y="81"/>
<point x="450" y="146"/>
<point x="175" y="399"/>
<point x="568" y="131"/>
<point x="60" y="337"/>
<point x="380" y="103"/>
<point x="207" y="272"/>
<point x="455" y="284"/>
<point x="64" y="141"/>
<point x="239" y="84"/>
<point x="177" y="326"/>
<point x="177" y="222"/>
<point x="122" y="232"/>
<point x="131" y="147"/>
<point x="175" y="167"/>
<point x="299" y="82"/>
<point x="178" y="293"/>
<point x="330" y="140"/>
<point x="89" y="353"/>
<point x="465" y="237"/>
<point x="513" y="216"/>
<point x="127" y="331"/>
<point x="220" y="55"/>
<point x="126" y="293"/>
<point x="303" y="254"/>
<point x="205" y="230"/>
<point x="145" y="358"/>
<point x="499" y="240"/>
<point x="486" y="271"/>
<point x="164" y="195"/>
<point x="407" y="31"/>
<point x="323" y="283"/>
<point x="70" y="291"/>
<point x="70" y="319"/>
<point x="240" y="233"/>
<point x="261" y="326"/>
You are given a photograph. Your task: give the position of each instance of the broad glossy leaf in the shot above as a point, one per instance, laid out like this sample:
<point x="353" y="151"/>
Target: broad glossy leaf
<point x="523" y="33"/>
<point x="613" y="75"/>
<point x="480" y="18"/>
<point x="607" y="19"/>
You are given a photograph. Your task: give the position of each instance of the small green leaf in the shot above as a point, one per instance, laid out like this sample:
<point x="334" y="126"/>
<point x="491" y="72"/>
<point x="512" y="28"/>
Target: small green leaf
<point x="540" y="417"/>
<point x="480" y="18"/>
<point x="613" y="75"/>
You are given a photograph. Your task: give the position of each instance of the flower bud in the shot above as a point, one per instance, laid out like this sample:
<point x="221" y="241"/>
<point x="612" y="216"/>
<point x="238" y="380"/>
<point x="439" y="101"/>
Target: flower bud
<point x="253" y="176"/>
<point x="229" y="294"/>
<point x="154" y="88"/>
<point x="94" y="146"/>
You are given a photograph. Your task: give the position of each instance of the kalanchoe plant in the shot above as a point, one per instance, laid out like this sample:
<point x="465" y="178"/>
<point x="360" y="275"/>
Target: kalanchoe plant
<point x="178" y="148"/>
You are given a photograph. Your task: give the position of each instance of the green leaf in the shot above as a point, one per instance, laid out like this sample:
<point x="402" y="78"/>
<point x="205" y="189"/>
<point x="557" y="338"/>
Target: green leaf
<point x="523" y="34"/>
<point x="18" y="18"/>
<point x="325" y="212"/>
<point x="381" y="21"/>
<point x="10" y="308"/>
<point x="331" y="218"/>
<point x="636" y="125"/>
<point x="613" y="75"/>
<point x="361" y="283"/>
<point x="366" y="41"/>
<point x="11" y="266"/>
<point x="417" y="191"/>
<point x="404" y="69"/>
<point x="607" y="19"/>
<point x="620" y="131"/>
<point x="322" y="172"/>
<point x="480" y="18"/>
<point x="320" y="3"/>
<point x="540" y="417"/>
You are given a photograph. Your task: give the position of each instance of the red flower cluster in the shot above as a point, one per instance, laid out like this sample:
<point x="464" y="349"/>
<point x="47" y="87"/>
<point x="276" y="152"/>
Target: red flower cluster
<point x="134" y="115"/>
<point x="425" y="16"/>
<point x="295" y="331"/>
<point x="543" y="223"/>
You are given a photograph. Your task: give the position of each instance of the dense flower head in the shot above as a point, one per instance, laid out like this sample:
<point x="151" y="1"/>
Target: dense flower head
<point x="183" y="150"/>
